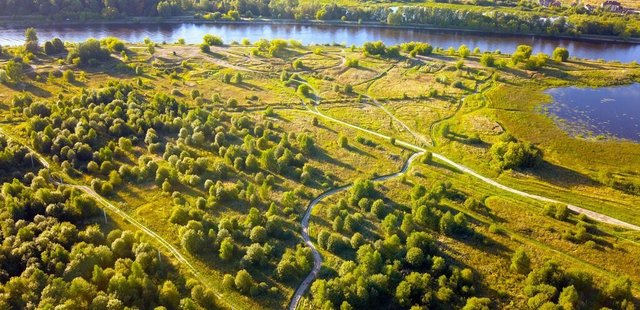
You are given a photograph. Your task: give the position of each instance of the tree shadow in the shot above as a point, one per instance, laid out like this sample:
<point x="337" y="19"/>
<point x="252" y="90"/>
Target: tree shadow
<point x="321" y="155"/>
<point x="561" y="176"/>
<point x="31" y="88"/>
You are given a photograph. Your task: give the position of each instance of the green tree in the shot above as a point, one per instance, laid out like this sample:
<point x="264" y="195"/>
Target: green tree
<point x="464" y="51"/>
<point x="487" y="60"/>
<point x="14" y="70"/>
<point x="169" y="295"/>
<point x="569" y="298"/>
<point x="243" y="281"/>
<point x="226" y="249"/>
<point x="31" y="40"/>
<point x="560" y="54"/>
<point x="520" y="262"/>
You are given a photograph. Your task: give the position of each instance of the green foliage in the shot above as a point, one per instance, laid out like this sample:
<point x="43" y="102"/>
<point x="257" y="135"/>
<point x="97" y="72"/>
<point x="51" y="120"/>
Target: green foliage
<point x="560" y="54"/>
<point x="416" y="48"/>
<point x="511" y="155"/>
<point x="210" y="39"/>
<point x="69" y="76"/>
<point x="243" y="281"/>
<point x="90" y="52"/>
<point x="14" y="71"/>
<point x="487" y="60"/>
<point x="31" y="41"/>
<point x="205" y="48"/>
<point x="520" y="262"/>
<point x="522" y="53"/>
<point x="352" y="63"/>
<point x="463" y="51"/>
<point x="54" y="46"/>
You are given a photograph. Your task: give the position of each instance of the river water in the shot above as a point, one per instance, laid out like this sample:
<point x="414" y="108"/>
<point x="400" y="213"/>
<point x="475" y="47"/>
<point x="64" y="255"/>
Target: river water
<point x="610" y="111"/>
<point x="318" y="34"/>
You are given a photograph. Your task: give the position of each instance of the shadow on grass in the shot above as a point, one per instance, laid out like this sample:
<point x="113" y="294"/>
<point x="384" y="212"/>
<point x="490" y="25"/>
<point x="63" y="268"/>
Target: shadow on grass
<point x="561" y="176"/>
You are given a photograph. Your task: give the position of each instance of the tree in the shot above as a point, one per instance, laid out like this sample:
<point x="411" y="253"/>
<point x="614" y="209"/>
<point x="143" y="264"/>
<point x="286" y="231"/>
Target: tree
<point x="415" y="257"/>
<point x="560" y="54"/>
<point x="169" y="295"/>
<point x="226" y="249"/>
<point x="569" y="298"/>
<point x="522" y="53"/>
<point x="31" y="40"/>
<point x="90" y="52"/>
<point x="619" y="289"/>
<point x="464" y="51"/>
<point x="520" y="262"/>
<point x="394" y="18"/>
<point x="343" y="141"/>
<point x="14" y="70"/>
<point x="475" y="303"/>
<point x="212" y="40"/>
<point x="511" y="154"/>
<point x="487" y="60"/>
<point x="243" y="281"/>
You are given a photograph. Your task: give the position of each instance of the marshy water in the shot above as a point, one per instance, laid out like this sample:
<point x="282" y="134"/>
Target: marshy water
<point x="606" y="111"/>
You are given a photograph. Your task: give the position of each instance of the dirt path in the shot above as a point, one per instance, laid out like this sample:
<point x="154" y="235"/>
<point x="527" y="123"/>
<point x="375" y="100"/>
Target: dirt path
<point x="317" y="258"/>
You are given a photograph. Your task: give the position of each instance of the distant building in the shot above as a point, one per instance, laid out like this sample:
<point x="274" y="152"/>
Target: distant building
<point x="613" y="6"/>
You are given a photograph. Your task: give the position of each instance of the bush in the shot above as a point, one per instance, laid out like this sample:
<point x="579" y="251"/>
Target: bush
<point x="212" y="40"/>
<point x="204" y="47"/>
<point x="520" y="262"/>
<point x="90" y="52"/>
<point x="560" y="54"/>
<point x="343" y="142"/>
<point x="69" y="76"/>
<point x="113" y="44"/>
<point x="487" y="60"/>
<point x="511" y="155"/>
<point x="243" y="281"/>
<point x="352" y="63"/>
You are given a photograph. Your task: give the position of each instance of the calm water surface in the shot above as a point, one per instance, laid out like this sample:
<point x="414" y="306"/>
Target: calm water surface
<point x="193" y="33"/>
<point x="611" y="111"/>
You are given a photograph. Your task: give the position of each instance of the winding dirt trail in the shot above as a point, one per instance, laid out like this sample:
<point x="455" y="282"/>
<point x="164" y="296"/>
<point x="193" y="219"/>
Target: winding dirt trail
<point x="317" y="258"/>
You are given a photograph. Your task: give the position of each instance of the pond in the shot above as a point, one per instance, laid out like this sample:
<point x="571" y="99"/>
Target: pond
<point x="607" y="111"/>
<point x="320" y="34"/>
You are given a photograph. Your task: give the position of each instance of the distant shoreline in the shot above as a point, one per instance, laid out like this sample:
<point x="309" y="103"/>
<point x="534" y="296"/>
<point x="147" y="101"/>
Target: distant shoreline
<point x="11" y="22"/>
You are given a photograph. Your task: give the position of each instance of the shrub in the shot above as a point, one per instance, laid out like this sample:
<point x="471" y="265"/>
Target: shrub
<point x="204" y="47"/>
<point x="560" y="54"/>
<point x="343" y="142"/>
<point x="516" y="155"/>
<point x="90" y="52"/>
<point x="69" y="76"/>
<point x="212" y="40"/>
<point x="297" y="64"/>
<point x="487" y="60"/>
<point x="520" y="262"/>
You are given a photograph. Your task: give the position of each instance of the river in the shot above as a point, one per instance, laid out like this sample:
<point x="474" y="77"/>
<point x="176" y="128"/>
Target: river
<point x="321" y="34"/>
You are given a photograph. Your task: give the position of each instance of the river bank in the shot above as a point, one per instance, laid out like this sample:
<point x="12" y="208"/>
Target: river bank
<point x="23" y="22"/>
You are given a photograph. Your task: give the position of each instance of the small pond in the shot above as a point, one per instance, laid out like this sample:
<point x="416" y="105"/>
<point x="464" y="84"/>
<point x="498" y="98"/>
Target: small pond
<point x="597" y="112"/>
